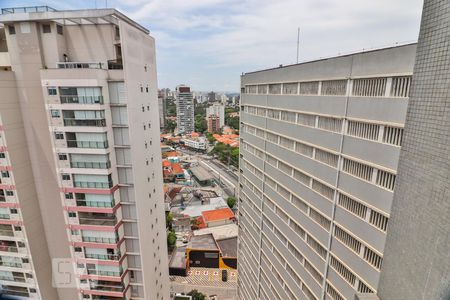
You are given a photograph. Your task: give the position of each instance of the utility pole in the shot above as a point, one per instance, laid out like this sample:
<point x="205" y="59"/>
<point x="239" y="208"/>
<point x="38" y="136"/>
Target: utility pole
<point x="298" y="42"/>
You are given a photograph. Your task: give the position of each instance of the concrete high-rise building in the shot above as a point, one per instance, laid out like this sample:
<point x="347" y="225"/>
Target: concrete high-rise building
<point x="218" y="110"/>
<point x="81" y="178"/>
<point x="211" y="96"/>
<point x="162" y="111"/>
<point x="320" y="145"/>
<point x="213" y="123"/>
<point x="185" y="109"/>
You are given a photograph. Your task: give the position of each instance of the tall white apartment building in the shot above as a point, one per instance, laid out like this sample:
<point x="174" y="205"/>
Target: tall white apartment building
<point x="185" y="109"/>
<point x="320" y="145"/>
<point x="80" y="161"/>
<point x="218" y="110"/>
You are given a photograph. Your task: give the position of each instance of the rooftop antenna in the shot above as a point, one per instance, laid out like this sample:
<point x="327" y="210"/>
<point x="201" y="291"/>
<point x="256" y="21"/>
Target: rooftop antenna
<point x="298" y="41"/>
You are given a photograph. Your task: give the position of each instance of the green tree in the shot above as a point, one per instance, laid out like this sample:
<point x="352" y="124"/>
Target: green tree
<point x="171" y="239"/>
<point x="233" y="122"/>
<point x="171" y="125"/>
<point x="210" y="137"/>
<point x="200" y="123"/>
<point x="231" y="202"/>
<point x="196" y="295"/>
<point x="234" y="159"/>
<point x="169" y="219"/>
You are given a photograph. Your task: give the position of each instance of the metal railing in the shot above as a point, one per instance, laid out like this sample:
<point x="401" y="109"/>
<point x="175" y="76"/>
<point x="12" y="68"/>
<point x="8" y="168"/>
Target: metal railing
<point x="102" y="204"/>
<point x="10" y="264"/>
<point x="80" y="65"/>
<point x="110" y="288"/>
<point x="5" y="216"/>
<point x="82" y="99"/>
<point x="115" y="64"/>
<point x="87" y="144"/>
<point x="102" y="240"/>
<point x="12" y="278"/>
<point x="103" y="256"/>
<point x="6" y="233"/>
<point x="93" y="184"/>
<point x="90" y="165"/>
<point x="104" y="273"/>
<point x="27" y="9"/>
<point x="92" y="122"/>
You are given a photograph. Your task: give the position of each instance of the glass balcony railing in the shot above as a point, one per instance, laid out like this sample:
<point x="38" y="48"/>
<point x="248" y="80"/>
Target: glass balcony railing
<point x="102" y="204"/>
<point x="12" y="278"/>
<point x="79" y="65"/>
<point x="5" y="216"/>
<point x="10" y="264"/>
<point x="115" y="64"/>
<point x="103" y="256"/>
<point x="87" y="144"/>
<point x="81" y="99"/>
<point x="98" y="221"/>
<point x="102" y="240"/>
<point x="93" y="184"/>
<point x="5" y="248"/>
<point x="90" y="165"/>
<point x="6" y="233"/>
<point x="77" y="122"/>
<point x="107" y="286"/>
<point x="104" y="273"/>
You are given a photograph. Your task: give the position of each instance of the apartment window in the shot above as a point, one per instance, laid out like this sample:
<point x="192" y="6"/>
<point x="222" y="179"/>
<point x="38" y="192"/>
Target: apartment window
<point x="283" y="192"/>
<point x="334" y="87"/>
<point x="347" y="239"/>
<point x="362" y="288"/>
<point x="372" y="258"/>
<point x="296" y="253"/>
<point x="307" y="120"/>
<point x="314" y="273"/>
<point x="262" y="89"/>
<point x="400" y="86"/>
<point x="5" y="174"/>
<point x="304" y="149"/>
<point x="72" y="214"/>
<point x="309" y="88"/>
<point x="75" y="232"/>
<point x="298" y="229"/>
<point x="17" y="228"/>
<point x="333" y="293"/>
<point x="353" y="206"/>
<point x="146" y="89"/>
<point x="275" y="88"/>
<point x="25" y="260"/>
<point x="285" y="168"/>
<point x="11" y="29"/>
<point x="59" y="29"/>
<point x="65" y="176"/>
<point x="142" y="89"/>
<point x="302" y="177"/>
<point x="330" y="124"/>
<point x="46" y="28"/>
<point x="261" y="111"/>
<point x="2" y="155"/>
<point x="378" y="220"/>
<point x="363" y="130"/>
<point x="322" y="189"/>
<point x="55" y="113"/>
<point x="327" y="158"/>
<point x="272" y="137"/>
<point x="321" y="220"/>
<point x="369" y="87"/>
<point x="251" y="89"/>
<point x="59" y="135"/>
<point x="273" y="114"/>
<point x="288" y="116"/>
<point x="290" y="88"/>
<point x="52" y="91"/>
<point x="358" y="169"/>
<point x="68" y="195"/>
<point x="386" y="179"/>
<point x="343" y="271"/>
<point x="62" y="156"/>
<point x="287" y="143"/>
<point x="77" y="249"/>
<point x="13" y="210"/>
<point x="9" y="193"/>
<point x="393" y="135"/>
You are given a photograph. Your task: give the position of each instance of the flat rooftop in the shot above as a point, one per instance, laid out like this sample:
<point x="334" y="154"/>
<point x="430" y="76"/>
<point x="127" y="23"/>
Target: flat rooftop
<point x="178" y="259"/>
<point x="219" y="232"/>
<point x="228" y="247"/>
<point x="195" y="209"/>
<point x="201" y="174"/>
<point x="205" y="242"/>
<point x="67" y="17"/>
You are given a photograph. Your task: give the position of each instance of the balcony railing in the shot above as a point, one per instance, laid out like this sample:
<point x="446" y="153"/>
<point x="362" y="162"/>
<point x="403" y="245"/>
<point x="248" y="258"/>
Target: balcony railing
<point x="102" y="204"/>
<point x="104" y="273"/>
<point x="115" y="64"/>
<point x="103" y="256"/>
<point x="109" y="288"/>
<point x="90" y="165"/>
<point x="79" y="65"/>
<point x="6" y="233"/>
<point x="10" y="264"/>
<point x="82" y="99"/>
<point x="76" y="122"/>
<point x="12" y="278"/>
<point x="98" y="221"/>
<point x="87" y="144"/>
<point x="2" y="199"/>
<point x="5" y="216"/>
<point x="102" y="240"/>
<point x="9" y="249"/>
<point x="93" y="184"/>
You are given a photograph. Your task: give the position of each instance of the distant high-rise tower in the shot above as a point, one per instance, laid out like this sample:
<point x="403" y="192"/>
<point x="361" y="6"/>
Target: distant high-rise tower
<point x="213" y="123"/>
<point x="185" y="109"/>
<point x="81" y="177"/>
<point x="218" y="110"/>
<point x="319" y="153"/>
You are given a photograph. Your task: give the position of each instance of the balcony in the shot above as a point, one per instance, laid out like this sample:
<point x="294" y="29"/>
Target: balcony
<point x="104" y="273"/>
<point x="79" y="65"/>
<point x="101" y="240"/>
<point x="97" y="219"/>
<point x="12" y="278"/>
<point x="6" y="232"/>
<point x="87" y="144"/>
<point x="115" y="64"/>
<point x="107" y="286"/>
<point x="10" y="264"/>
<point x="93" y="185"/>
<point x="8" y="246"/>
<point x="100" y="204"/>
<point x="103" y="256"/>
<point x="90" y="165"/>
<point x="81" y="99"/>
<point x="5" y="216"/>
<point x="15" y="291"/>
<point x="85" y="122"/>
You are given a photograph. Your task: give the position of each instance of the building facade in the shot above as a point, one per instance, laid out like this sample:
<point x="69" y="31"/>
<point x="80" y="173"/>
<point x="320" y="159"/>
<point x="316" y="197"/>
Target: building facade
<point x="213" y="123"/>
<point x="162" y="110"/>
<point x="218" y="110"/>
<point x="82" y="178"/>
<point x="185" y="109"/>
<point x="320" y="145"/>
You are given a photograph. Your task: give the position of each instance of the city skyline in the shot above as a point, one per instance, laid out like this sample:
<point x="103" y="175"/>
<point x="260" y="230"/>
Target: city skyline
<point x="208" y="44"/>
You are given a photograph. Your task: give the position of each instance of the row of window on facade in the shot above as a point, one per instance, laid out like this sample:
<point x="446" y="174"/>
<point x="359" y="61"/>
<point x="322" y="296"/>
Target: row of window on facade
<point x="364" y="87"/>
<point x="25" y="28"/>
<point x="365" y="130"/>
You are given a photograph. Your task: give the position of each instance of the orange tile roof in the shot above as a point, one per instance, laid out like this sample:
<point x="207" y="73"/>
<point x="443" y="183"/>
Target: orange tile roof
<point x="195" y="134"/>
<point x="218" y="214"/>
<point x="166" y="163"/>
<point x="170" y="153"/>
<point x="176" y="168"/>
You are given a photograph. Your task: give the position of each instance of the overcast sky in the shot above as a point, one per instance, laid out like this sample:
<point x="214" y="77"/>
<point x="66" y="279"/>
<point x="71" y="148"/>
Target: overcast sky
<point x="208" y="43"/>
